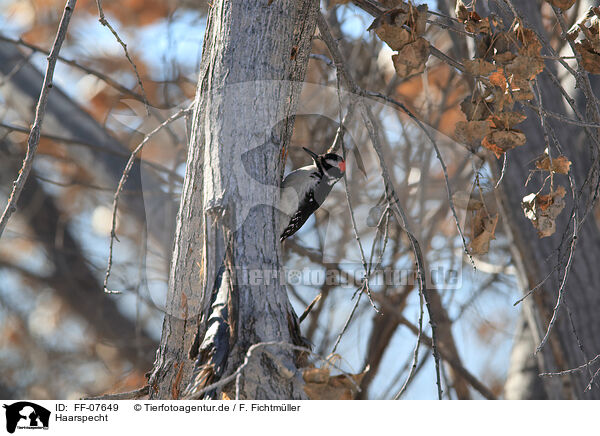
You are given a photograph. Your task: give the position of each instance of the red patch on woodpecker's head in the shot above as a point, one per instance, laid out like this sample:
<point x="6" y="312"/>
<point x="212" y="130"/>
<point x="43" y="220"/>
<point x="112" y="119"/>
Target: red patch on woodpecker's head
<point x="343" y="166"/>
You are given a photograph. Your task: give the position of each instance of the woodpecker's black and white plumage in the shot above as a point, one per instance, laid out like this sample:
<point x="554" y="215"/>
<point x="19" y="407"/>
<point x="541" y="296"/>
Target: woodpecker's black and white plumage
<point x="305" y="189"/>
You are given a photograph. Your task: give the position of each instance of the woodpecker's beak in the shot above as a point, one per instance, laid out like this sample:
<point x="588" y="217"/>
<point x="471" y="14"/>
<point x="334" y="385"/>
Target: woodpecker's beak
<point x="311" y="153"/>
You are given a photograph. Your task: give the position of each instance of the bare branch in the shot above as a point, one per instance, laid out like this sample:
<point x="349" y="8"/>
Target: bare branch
<point x="124" y="176"/>
<point x="83" y="68"/>
<point x="105" y="23"/>
<point x="391" y="196"/>
<point x="34" y="135"/>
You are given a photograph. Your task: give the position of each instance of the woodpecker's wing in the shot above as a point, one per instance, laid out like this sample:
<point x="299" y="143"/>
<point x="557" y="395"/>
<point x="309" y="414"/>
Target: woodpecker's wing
<point x="295" y="203"/>
<point x="312" y="199"/>
<point x="295" y="186"/>
<point x="305" y="209"/>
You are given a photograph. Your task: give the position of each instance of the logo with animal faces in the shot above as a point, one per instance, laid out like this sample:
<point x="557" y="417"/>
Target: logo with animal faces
<point x="25" y="415"/>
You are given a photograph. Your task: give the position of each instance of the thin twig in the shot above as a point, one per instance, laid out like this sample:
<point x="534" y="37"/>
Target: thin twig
<point x="415" y="358"/>
<point x="34" y="135"/>
<point x="193" y="394"/>
<point x="426" y="340"/>
<point x="391" y="196"/>
<point x="440" y="159"/>
<point x="309" y="308"/>
<point x="561" y="289"/>
<point x="572" y="370"/>
<point x="88" y="70"/>
<point x="93" y="146"/>
<point x="105" y="23"/>
<point x="348" y="320"/>
<point x="504" y="161"/>
<point x="124" y="177"/>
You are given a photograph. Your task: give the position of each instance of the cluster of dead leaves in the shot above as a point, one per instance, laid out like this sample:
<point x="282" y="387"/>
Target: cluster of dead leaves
<point x="320" y="385"/>
<point x="542" y="209"/>
<point x="589" y="47"/>
<point x="402" y="28"/>
<point x="505" y="65"/>
<point x="483" y="221"/>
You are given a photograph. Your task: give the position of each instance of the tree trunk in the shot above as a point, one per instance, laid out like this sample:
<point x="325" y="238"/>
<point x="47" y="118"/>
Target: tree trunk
<point x="225" y="292"/>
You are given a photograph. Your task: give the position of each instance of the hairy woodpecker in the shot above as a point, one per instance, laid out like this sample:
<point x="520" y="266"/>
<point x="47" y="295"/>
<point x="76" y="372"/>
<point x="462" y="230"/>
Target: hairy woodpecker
<point x="305" y="189"/>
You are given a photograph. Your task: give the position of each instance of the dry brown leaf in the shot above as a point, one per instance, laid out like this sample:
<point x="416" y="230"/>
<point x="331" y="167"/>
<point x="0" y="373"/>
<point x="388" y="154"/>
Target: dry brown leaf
<point x="520" y="89"/>
<point x="484" y="228"/>
<point x="590" y="58"/>
<point x="504" y="58"/>
<point x="411" y="59"/>
<point x="475" y="108"/>
<point x="542" y="210"/>
<point x="388" y="27"/>
<point x="497" y="78"/>
<point x="500" y="141"/>
<point x="401" y="26"/>
<point x="502" y="99"/>
<point x="477" y="25"/>
<point x="507" y="120"/>
<point x="315" y="375"/>
<point x="560" y="164"/>
<point x="418" y="19"/>
<point x="478" y="67"/>
<point x="525" y="67"/>
<point x="471" y="19"/>
<point x="339" y="387"/>
<point x="472" y="132"/>
<point x="530" y="44"/>
<point x="394" y="36"/>
<point x="462" y="13"/>
<point x="562" y="4"/>
<point x="589" y="24"/>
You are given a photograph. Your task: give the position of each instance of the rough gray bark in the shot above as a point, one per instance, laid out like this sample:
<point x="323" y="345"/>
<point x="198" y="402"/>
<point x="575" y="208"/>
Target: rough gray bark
<point x="254" y="59"/>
